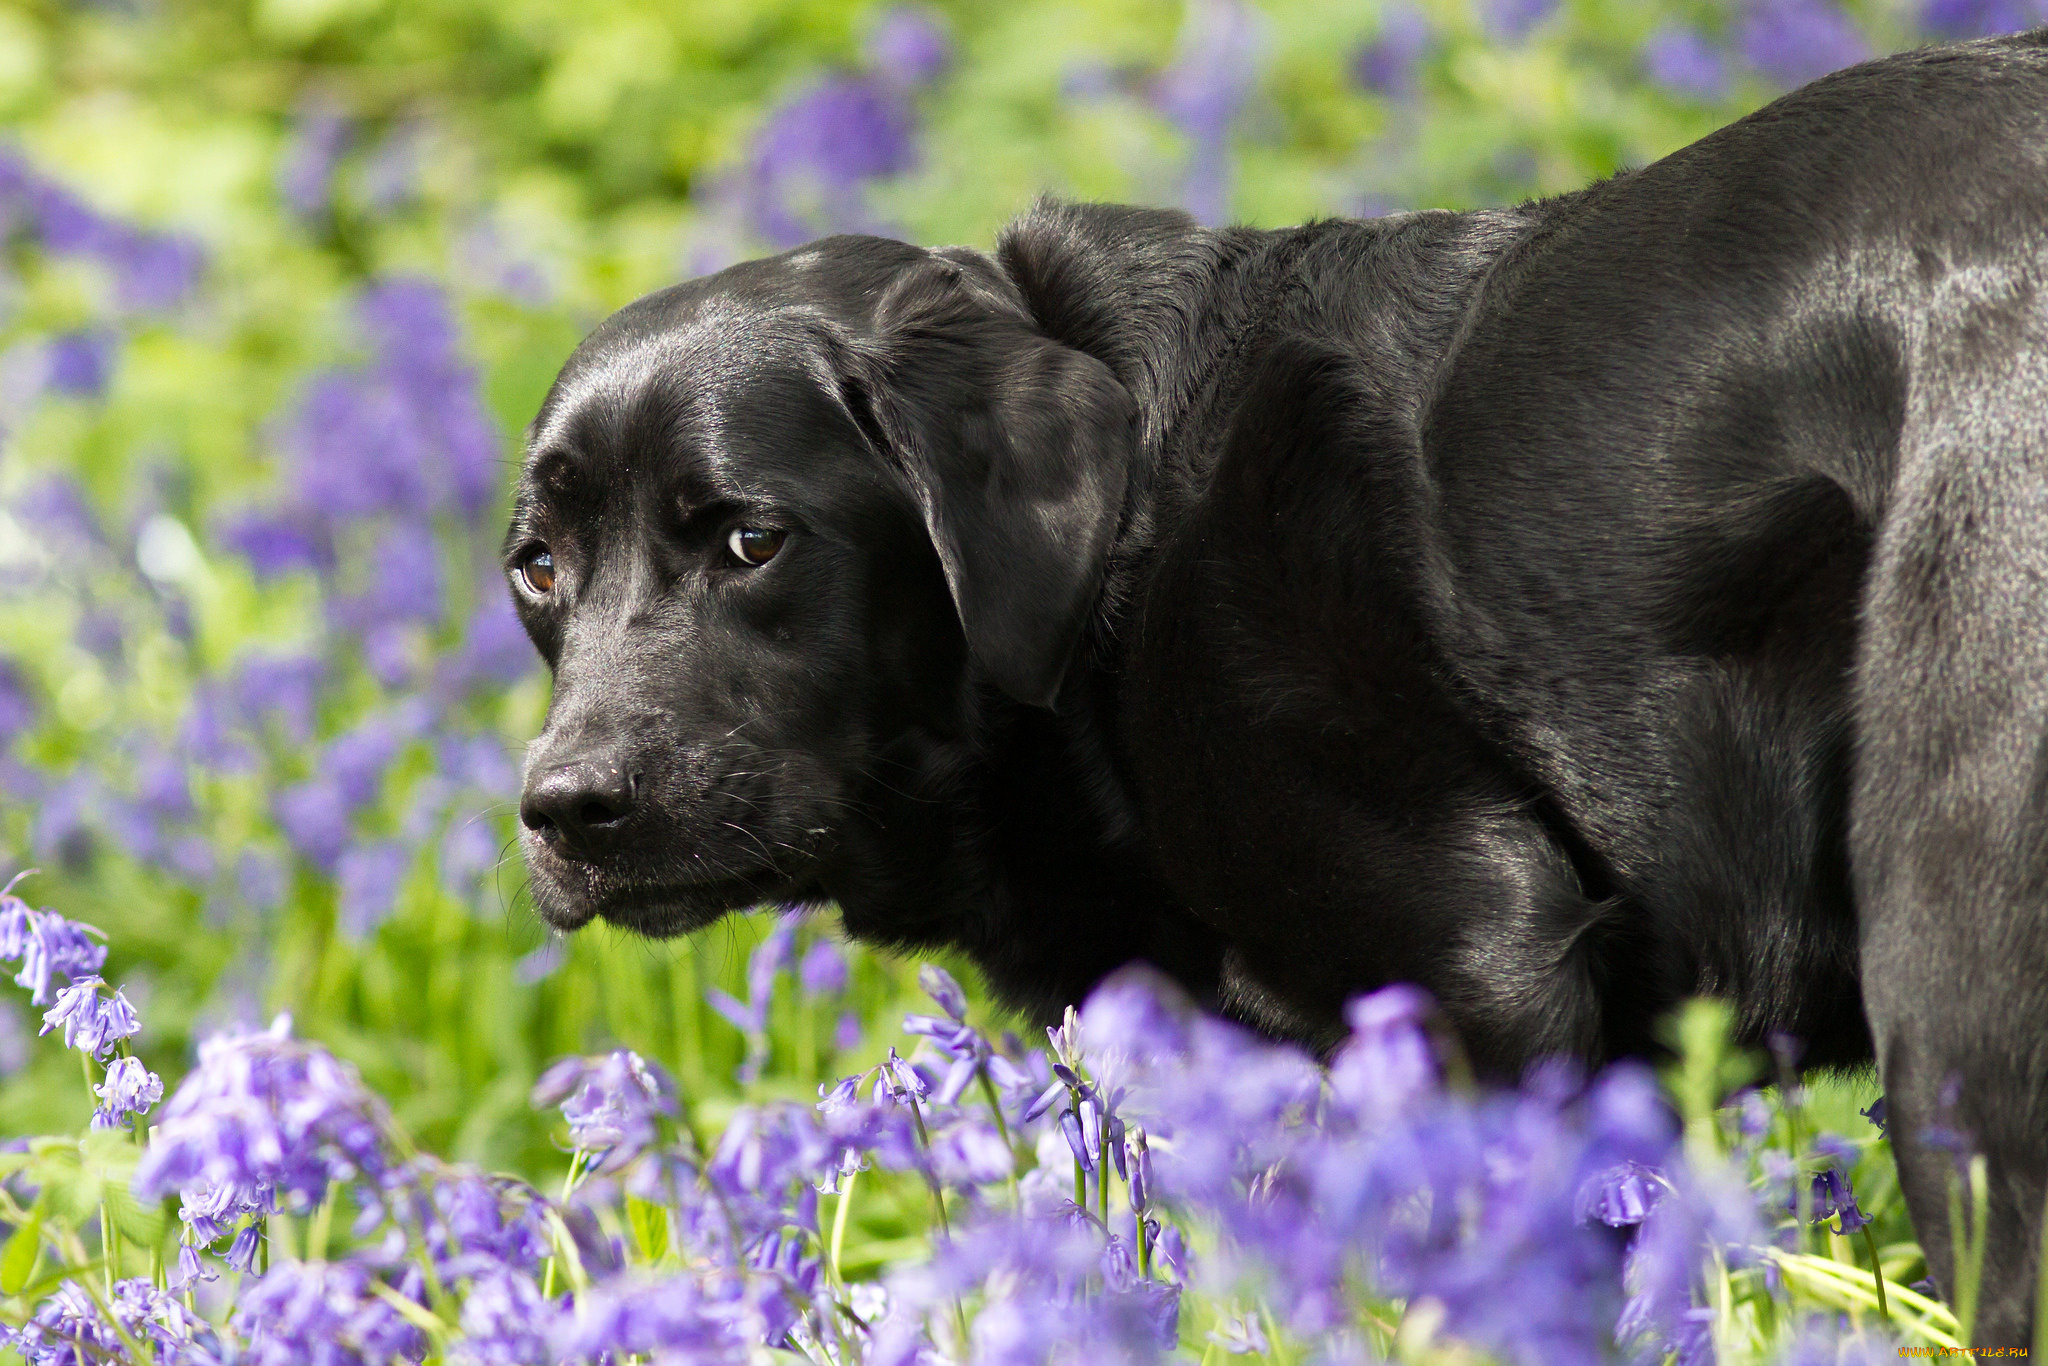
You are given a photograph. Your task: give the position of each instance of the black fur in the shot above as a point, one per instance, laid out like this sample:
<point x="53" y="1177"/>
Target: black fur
<point x="1569" y="608"/>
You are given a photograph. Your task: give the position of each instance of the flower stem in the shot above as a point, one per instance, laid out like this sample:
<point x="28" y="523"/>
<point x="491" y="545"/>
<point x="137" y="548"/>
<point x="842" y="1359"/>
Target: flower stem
<point x="1102" y="1168"/>
<point x="316" y="1232"/>
<point x="839" y="1217"/>
<point x="108" y="1252"/>
<point x="924" y="1141"/>
<point x="1884" y="1310"/>
<point x="547" y="1283"/>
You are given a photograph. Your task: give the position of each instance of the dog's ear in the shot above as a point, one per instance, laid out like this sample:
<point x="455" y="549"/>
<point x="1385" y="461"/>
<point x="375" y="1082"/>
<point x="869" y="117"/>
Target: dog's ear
<point x="1019" y="451"/>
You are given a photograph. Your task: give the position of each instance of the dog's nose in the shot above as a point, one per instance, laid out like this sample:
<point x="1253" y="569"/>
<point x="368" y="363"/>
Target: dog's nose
<point x="576" y="806"/>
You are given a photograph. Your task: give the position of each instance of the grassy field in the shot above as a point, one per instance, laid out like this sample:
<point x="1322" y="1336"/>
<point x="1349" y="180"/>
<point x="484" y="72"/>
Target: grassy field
<point x="284" y="279"/>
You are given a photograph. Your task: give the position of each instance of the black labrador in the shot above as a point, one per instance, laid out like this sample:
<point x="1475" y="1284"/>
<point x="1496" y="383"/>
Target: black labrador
<point x="1569" y="608"/>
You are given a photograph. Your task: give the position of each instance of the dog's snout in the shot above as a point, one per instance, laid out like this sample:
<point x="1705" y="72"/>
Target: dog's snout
<point x="577" y="806"/>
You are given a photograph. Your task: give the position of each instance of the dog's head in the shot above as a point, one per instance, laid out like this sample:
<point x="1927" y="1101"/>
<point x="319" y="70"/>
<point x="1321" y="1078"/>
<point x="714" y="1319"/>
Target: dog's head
<point x="775" y="526"/>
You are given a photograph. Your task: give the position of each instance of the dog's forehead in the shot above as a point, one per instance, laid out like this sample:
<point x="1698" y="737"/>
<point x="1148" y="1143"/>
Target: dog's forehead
<point x="736" y="402"/>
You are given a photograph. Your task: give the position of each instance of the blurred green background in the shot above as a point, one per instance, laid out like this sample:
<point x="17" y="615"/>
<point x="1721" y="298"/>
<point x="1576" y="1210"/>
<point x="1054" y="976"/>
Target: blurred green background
<point x="282" y="281"/>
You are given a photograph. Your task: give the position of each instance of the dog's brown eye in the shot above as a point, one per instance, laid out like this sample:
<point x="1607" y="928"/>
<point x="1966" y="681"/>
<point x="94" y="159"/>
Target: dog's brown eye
<point x="755" y="545"/>
<point x="538" y="569"/>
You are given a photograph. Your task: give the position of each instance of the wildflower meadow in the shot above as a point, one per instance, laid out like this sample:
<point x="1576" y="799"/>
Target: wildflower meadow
<point x="288" y="1071"/>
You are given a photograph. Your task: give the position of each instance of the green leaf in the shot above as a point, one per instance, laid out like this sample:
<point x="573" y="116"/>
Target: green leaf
<point x="70" y="1192"/>
<point x="650" y="1228"/>
<point x="18" y="1258"/>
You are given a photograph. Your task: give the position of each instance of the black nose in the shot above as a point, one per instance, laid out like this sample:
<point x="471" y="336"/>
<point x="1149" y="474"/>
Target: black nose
<point x="579" y="805"/>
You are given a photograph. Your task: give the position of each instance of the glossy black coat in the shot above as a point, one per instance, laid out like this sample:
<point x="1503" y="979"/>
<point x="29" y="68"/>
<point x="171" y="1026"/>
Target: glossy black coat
<point x="1570" y="608"/>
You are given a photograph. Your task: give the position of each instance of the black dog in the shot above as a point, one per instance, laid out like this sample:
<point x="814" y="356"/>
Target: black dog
<point x="1569" y="608"/>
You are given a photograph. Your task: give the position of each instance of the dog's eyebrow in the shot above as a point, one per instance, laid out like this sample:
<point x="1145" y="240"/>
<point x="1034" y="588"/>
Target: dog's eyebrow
<point x="554" y="482"/>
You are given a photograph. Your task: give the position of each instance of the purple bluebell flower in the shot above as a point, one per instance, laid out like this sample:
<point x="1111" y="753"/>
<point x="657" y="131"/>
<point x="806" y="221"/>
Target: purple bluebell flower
<point x="1510" y="21"/>
<point x="1138" y="1154"/>
<point x="276" y="543"/>
<point x="163" y="784"/>
<point x="52" y="946"/>
<point x="407" y="435"/>
<point x="1795" y="41"/>
<point x="81" y="362"/>
<point x="909" y="47"/>
<point x="1077" y="1140"/>
<point x="1389" y="1062"/>
<point x="405" y="587"/>
<point x="1386" y="64"/>
<point x="1134" y="1014"/>
<point x="478" y="762"/>
<point x="57" y="506"/>
<point x="241" y="1253"/>
<point x="1700" y="1209"/>
<point x="611" y="1103"/>
<point x="391" y="170"/>
<point x="823" y="969"/>
<point x="469" y="851"/>
<point x="155" y="271"/>
<point x="1828" y="1340"/>
<point x="1241" y="1335"/>
<point x="1833" y="1196"/>
<point x="505" y="1321"/>
<point x="902" y="1081"/>
<point x="70" y="1329"/>
<point x="541" y="964"/>
<point x="667" y="1318"/>
<point x="261" y="879"/>
<point x="1685" y="62"/>
<point x="14" y="1039"/>
<point x="811" y="160"/>
<point x="17" y="701"/>
<point x="969" y="1152"/>
<point x="495" y="651"/>
<point x="1877" y="1115"/>
<point x="283" y="687"/>
<point x="1204" y="91"/>
<point x="150" y="270"/>
<point x="750" y="1017"/>
<point x="314" y="816"/>
<point x="295" y="1304"/>
<point x="320" y="137"/>
<point x="191" y="1270"/>
<point x="130" y="1089"/>
<point x="471" y="1224"/>
<point x="847" y="1034"/>
<point x="61" y="831"/>
<point x="15" y="919"/>
<point x="263" y="1118"/>
<point x="1980" y="18"/>
<point x="938" y="984"/>
<point x="369" y="876"/>
<point x="1620" y="1197"/>
<point x="92" y="1023"/>
<point x="356" y="759"/>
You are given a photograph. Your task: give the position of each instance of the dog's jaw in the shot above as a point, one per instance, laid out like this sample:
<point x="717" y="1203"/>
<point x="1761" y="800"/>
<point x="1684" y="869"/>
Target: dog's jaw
<point x="569" y="894"/>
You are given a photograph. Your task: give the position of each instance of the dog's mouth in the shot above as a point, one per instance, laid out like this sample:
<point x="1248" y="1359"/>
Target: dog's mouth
<point x="659" y="903"/>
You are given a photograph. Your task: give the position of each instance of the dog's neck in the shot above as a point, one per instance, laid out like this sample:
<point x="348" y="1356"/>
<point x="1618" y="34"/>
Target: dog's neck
<point x="1027" y="846"/>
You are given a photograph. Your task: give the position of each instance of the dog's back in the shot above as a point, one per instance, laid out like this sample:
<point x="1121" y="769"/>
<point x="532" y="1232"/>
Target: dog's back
<point x="1681" y="625"/>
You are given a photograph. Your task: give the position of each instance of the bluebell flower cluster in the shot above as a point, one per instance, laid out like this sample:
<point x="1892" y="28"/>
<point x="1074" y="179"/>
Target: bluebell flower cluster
<point x="149" y="270"/>
<point x="390" y="473"/>
<point x="1204" y="92"/>
<point x="1563" y="1221"/>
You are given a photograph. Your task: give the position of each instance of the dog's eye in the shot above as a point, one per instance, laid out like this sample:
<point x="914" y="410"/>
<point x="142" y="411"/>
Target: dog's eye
<point x="755" y="545"/>
<point x="538" y="569"/>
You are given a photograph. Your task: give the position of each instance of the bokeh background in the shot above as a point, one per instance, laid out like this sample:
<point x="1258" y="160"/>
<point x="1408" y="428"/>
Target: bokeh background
<point x="282" y="280"/>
